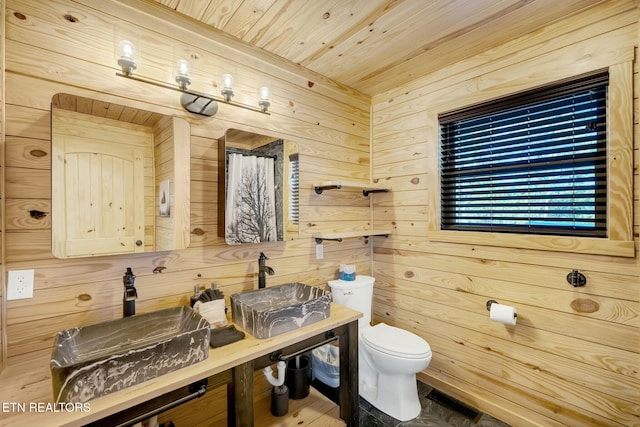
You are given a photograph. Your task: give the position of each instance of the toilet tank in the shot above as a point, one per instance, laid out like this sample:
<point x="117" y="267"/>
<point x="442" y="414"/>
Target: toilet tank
<point x="356" y="294"/>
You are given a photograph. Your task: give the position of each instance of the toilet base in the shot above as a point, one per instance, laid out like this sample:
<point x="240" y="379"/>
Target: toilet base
<point x="398" y="396"/>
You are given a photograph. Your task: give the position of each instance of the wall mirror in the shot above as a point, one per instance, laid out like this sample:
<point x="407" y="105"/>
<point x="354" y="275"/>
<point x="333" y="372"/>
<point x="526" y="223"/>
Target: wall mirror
<point x="119" y="177"/>
<point x="258" y="194"/>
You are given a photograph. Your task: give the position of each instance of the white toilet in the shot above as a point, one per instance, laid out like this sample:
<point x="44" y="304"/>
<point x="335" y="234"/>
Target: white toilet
<point x="389" y="357"/>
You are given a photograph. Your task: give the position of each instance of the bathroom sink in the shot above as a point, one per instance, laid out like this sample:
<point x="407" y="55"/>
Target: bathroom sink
<point x="95" y="360"/>
<point x="271" y="311"/>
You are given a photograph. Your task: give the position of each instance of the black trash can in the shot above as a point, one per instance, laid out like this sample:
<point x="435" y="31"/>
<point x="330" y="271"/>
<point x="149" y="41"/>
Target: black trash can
<point x="279" y="400"/>
<point x="298" y="377"/>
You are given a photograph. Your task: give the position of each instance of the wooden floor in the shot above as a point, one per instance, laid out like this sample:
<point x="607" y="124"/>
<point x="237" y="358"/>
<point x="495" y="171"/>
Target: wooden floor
<point x="314" y="410"/>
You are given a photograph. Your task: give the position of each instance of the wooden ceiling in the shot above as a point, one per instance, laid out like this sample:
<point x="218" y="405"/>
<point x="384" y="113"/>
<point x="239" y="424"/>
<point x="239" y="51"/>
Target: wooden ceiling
<point x="376" y="45"/>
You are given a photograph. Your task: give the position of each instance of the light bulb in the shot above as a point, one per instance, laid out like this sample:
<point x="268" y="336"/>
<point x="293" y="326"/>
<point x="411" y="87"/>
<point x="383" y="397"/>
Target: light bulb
<point x="127" y="52"/>
<point x="227" y="81"/>
<point x="264" y="102"/>
<point x="182" y="73"/>
<point x="265" y="92"/>
<point x="183" y="67"/>
<point x="227" y="89"/>
<point x="126" y="49"/>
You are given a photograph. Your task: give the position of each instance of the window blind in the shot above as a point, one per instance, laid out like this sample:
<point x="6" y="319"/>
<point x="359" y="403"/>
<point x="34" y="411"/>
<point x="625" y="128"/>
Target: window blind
<point x="294" y="189"/>
<point x="534" y="162"/>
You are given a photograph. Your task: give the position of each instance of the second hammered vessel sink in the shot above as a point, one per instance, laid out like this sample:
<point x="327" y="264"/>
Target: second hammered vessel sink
<point x="274" y="310"/>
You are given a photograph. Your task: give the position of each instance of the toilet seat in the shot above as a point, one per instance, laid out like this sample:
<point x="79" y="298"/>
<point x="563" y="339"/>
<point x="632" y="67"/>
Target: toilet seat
<point x="396" y="342"/>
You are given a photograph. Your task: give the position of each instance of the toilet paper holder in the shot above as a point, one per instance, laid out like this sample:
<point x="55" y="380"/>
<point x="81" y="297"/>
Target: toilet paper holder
<point x="491" y="301"/>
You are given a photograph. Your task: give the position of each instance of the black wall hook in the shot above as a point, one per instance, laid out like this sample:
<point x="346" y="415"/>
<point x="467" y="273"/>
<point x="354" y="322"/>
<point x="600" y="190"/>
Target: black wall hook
<point x="576" y="279"/>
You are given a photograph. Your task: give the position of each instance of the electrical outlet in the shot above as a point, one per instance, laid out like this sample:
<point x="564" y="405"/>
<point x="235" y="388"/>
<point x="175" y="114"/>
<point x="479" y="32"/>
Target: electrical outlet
<point x="20" y="284"/>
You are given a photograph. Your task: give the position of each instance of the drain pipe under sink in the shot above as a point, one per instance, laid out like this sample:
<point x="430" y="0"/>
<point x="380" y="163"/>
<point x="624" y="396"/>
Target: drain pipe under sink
<point x="268" y="373"/>
<point x="280" y="392"/>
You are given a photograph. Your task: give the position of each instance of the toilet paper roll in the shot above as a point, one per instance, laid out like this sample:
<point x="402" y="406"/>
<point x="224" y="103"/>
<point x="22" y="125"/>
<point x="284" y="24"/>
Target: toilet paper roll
<point x="503" y="314"/>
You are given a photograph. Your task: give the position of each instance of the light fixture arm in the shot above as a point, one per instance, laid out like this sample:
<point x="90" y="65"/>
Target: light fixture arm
<point x="193" y="96"/>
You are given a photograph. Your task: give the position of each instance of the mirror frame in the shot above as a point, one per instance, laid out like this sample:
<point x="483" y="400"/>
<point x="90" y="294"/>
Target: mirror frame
<point x="166" y="225"/>
<point x="287" y="228"/>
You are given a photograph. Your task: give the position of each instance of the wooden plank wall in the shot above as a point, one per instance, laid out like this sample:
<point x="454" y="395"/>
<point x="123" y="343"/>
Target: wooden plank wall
<point x="48" y="54"/>
<point x="2" y="202"/>
<point x="572" y="359"/>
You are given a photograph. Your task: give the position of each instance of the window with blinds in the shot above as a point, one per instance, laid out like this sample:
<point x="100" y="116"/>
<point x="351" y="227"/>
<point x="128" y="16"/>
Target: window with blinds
<point x="294" y="188"/>
<point x="534" y="162"/>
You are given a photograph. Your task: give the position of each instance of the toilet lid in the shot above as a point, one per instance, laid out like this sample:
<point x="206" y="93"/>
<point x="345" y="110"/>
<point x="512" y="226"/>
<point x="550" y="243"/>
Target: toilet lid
<point x="396" y="342"/>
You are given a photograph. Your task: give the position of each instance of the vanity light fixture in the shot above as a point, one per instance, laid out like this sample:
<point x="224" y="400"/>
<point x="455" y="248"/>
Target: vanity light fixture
<point x="192" y="101"/>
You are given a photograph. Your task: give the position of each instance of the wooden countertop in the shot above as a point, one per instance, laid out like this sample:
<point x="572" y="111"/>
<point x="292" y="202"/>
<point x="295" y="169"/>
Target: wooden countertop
<point x="17" y="382"/>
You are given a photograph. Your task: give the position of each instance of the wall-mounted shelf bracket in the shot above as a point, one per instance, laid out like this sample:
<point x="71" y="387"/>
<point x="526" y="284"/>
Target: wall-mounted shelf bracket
<point x="380" y="190"/>
<point x="320" y="189"/>
<point x="319" y="240"/>
<point x="347" y="234"/>
<point x="337" y="185"/>
<point x="378" y="234"/>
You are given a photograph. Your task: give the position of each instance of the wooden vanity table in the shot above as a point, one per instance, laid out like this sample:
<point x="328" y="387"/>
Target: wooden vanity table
<point x="233" y="364"/>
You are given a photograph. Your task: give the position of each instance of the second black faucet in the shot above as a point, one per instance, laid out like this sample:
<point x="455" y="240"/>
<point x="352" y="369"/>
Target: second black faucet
<point x="263" y="270"/>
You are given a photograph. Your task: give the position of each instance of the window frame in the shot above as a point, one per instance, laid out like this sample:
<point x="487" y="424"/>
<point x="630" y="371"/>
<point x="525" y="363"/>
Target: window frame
<point x="502" y="143"/>
<point x="619" y="184"/>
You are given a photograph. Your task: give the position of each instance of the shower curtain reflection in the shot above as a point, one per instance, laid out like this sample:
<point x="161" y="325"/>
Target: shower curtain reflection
<point x="250" y="204"/>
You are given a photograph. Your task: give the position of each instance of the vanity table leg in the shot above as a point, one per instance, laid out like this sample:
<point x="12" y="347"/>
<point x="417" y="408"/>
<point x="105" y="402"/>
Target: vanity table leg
<point x="240" y="396"/>
<point x="349" y="397"/>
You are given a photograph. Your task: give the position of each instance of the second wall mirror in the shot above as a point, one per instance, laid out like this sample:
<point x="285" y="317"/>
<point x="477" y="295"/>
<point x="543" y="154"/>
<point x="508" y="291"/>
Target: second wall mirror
<point x="258" y="177"/>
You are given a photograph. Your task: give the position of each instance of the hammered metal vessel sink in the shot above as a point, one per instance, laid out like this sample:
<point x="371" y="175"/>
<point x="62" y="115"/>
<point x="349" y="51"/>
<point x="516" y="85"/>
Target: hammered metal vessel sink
<point x="95" y="360"/>
<point x="278" y="309"/>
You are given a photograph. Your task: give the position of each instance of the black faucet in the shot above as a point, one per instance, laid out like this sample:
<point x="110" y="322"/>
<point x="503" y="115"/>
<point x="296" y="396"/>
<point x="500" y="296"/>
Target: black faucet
<point x="130" y="294"/>
<point x="262" y="269"/>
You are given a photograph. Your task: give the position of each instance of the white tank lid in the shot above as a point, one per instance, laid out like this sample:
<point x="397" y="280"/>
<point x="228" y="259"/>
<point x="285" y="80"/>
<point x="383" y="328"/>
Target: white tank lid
<point x="396" y="342"/>
<point x="343" y="285"/>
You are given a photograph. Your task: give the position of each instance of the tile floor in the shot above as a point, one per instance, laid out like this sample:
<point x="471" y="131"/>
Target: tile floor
<point x="433" y="415"/>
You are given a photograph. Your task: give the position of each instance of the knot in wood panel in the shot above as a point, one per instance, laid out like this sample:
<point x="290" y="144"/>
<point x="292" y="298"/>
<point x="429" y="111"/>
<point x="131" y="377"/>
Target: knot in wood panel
<point x="38" y="153"/>
<point x="585" y="305"/>
<point x="36" y="214"/>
